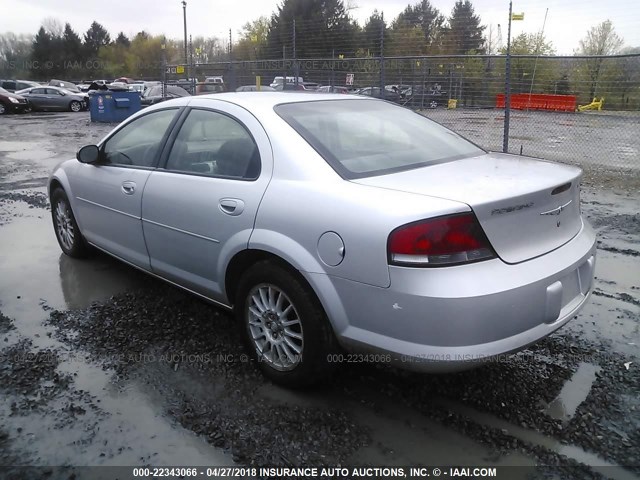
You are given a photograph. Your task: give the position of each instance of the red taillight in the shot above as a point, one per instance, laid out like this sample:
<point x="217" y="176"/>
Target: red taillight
<point x="449" y="240"/>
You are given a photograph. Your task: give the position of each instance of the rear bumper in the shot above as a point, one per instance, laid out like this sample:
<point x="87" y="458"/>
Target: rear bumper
<point x="447" y="319"/>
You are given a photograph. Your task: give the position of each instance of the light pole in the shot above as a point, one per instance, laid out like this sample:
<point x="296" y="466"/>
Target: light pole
<point x="184" y="11"/>
<point x="507" y="87"/>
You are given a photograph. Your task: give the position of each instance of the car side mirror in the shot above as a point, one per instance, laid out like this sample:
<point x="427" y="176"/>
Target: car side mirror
<point x="88" y="154"/>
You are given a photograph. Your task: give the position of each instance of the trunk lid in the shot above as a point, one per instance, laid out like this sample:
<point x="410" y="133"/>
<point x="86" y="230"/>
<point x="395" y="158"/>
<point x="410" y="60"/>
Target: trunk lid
<point x="527" y="207"/>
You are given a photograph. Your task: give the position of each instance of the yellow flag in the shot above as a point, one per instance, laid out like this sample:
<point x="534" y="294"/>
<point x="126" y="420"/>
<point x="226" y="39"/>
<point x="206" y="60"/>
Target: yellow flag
<point x="517" y="16"/>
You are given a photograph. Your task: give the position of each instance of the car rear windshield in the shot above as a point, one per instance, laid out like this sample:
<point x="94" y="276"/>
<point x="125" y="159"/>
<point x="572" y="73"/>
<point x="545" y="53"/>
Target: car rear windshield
<point x="361" y="138"/>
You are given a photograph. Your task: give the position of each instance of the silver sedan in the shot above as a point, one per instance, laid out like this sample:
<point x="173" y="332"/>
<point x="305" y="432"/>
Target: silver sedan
<point x="337" y="228"/>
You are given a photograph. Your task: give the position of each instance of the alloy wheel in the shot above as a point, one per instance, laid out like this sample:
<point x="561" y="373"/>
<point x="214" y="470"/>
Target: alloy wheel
<point x="64" y="225"/>
<point x="274" y="327"/>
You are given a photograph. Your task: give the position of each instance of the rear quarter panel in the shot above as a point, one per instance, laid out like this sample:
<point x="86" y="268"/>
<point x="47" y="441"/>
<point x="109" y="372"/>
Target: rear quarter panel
<point x="307" y="198"/>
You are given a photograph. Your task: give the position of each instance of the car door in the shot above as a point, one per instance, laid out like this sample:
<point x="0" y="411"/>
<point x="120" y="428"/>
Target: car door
<point x="109" y="193"/>
<point x="38" y="97"/>
<point x="57" y="100"/>
<point x="199" y="209"/>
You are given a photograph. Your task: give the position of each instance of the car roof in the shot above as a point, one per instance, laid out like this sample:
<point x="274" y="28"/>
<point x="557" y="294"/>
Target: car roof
<point x="260" y="105"/>
<point x="250" y="101"/>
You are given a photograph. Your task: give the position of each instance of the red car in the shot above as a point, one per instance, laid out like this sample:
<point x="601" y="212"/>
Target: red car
<point x="10" y="102"/>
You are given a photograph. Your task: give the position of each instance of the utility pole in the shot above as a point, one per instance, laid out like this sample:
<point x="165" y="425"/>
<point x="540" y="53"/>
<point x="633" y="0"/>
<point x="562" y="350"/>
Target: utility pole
<point x="163" y="46"/>
<point x="382" y="82"/>
<point x="191" y="75"/>
<point x="507" y="87"/>
<point x="232" y="74"/>
<point x="295" y="58"/>
<point x="184" y="14"/>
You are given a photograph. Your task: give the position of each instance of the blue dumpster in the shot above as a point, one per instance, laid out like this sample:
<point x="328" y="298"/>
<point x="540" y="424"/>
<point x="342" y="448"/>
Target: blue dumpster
<point x="112" y="106"/>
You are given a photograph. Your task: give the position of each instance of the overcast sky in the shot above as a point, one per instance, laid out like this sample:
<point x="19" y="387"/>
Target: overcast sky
<point x="565" y="26"/>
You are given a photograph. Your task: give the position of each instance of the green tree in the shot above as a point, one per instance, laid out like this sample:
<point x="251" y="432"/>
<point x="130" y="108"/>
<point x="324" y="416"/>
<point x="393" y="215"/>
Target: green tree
<point x="375" y="28"/>
<point x="424" y="16"/>
<point x="72" y="52"/>
<point x="406" y="40"/>
<point x="15" y="52"/>
<point x="123" y="40"/>
<point x="322" y="28"/>
<point x="96" y="37"/>
<point x="253" y="40"/>
<point x="600" y="40"/>
<point x="41" y="53"/>
<point x="532" y="74"/>
<point x="464" y="32"/>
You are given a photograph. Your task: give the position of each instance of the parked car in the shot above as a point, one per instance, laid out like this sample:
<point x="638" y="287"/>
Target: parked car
<point x="334" y="89"/>
<point x="376" y="93"/>
<point x="138" y="87"/>
<point x="290" y="87"/>
<point x="205" y="88"/>
<point x="253" y="88"/>
<point x="55" y="98"/>
<point x="215" y="79"/>
<point x="278" y="81"/>
<point x="119" y="87"/>
<point x="15" y="85"/>
<point x="72" y="87"/>
<point x="421" y="97"/>
<point x="328" y="220"/>
<point x="12" y="103"/>
<point x="153" y="95"/>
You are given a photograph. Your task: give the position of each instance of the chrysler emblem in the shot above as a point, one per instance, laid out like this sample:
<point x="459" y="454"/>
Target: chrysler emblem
<point x="557" y="211"/>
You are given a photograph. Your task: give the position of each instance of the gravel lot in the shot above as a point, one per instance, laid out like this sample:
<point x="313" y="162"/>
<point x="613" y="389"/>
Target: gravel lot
<point x="101" y="365"/>
<point x="596" y="141"/>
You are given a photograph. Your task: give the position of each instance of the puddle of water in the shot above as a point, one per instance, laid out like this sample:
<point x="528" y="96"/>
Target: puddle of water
<point x="128" y="426"/>
<point x="12" y="146"/>
<point x="573" y="393"/>
<point x="31" y="155"/>
<point x="35" y="272"/>
<point x="605" y="468"/>
<point x="611" y="322"/>
<point x="136" y="420"/>
<point x="127" y="429"/>
<point x="400" y="436"/>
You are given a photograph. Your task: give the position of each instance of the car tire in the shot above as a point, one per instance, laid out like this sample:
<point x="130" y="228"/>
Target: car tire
<point x="286" y="332"/>
<point x="71" y="241"/>
<point x="75" y="106"/>
<point x="3" y="109"/>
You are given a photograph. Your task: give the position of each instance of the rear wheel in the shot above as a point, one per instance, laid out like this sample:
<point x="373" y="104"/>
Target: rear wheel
<point x="284" y="325"/>
<point x="75" y="106"/>
<point x="68" y="234"/>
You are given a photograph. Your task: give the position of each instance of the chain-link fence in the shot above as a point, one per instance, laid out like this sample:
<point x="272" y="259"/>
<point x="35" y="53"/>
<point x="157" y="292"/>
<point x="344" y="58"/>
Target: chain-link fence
<point x="553" y="112"/>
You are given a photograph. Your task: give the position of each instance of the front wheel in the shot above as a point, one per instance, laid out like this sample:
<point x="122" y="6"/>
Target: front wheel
<point x="284" y="325"/>
<point x="68" y="234"/>
<point x="3" y="109"/>
<point x="75" y="106"/>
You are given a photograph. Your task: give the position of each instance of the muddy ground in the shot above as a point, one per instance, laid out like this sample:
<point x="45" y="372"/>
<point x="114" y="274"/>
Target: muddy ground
<point x="102" y="365"/>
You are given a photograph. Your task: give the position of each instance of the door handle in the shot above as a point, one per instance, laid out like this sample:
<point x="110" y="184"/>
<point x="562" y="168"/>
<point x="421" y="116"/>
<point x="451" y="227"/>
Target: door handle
<point x="231" y="206"/>
<point x="128" y="188"/>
